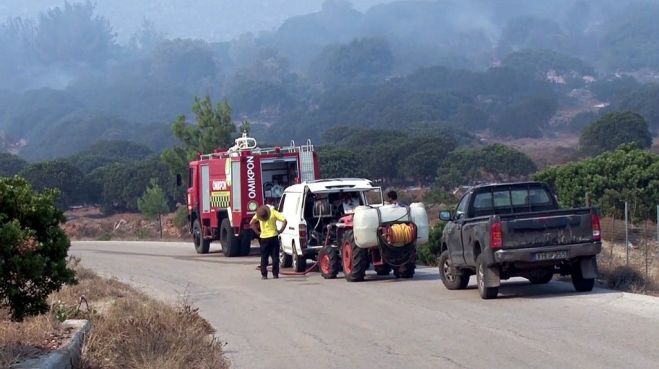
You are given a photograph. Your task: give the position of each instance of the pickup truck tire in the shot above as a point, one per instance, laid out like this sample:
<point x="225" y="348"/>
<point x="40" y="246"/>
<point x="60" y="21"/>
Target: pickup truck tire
<point x="540" y="276"/>
<point x="355" y="259"/>
<point x="580" y="283"/>
<point x="329" y="262"/>
<point x="200" y="244"/>
<point x="230" y="243"/>
<point x="383" y="269"/>
<point x="451" y="281"/>
<point x="285" y="260"/>
<point x="486" y="293"/>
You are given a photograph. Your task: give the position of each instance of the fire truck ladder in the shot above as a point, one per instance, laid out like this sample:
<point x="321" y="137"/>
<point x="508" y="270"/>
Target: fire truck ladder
<point x="306" y="162"/>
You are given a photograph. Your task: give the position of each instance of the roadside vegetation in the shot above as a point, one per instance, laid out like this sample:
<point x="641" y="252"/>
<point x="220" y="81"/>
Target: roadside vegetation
<point x="129" y="329"/>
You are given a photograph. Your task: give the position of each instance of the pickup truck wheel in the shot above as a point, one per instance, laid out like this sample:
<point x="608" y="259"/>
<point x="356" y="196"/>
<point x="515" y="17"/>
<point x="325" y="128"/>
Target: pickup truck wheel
<point x="355" y="259"/>
<point x="285" y="260"/>
<point x="200" y="244"/>
<point x="230" y="243"/>
<point x="383" y="269"/>
<point x="329" y="262"/>
<point x="451" y="281"/>
<point x="540" y="276"/>
<point x="485" y="292"/>
<point x="299" y="262"/>
<point x="580" y="283"/>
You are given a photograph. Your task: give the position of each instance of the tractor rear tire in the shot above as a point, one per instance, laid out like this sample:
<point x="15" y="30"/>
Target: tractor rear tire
<point x="329" y="262"/>
<point x="355" y="259"/>
<point x="201" y="245"/>
<point x="230" y="243"/>
<point x="383" y="269"/>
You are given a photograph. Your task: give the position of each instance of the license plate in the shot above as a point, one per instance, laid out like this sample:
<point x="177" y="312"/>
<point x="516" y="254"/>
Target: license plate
<point x="551" y="255"/>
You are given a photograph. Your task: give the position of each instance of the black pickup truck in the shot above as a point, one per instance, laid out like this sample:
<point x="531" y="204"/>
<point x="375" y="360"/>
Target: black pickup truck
<point x="505" y="230"/>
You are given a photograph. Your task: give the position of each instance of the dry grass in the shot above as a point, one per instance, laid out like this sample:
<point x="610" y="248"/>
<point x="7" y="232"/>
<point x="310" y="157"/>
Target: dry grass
<point x="641" y="275"/>
<point x="142" y="333"/>
<point x="129" y="329"/>
<point x="26" y="339"/>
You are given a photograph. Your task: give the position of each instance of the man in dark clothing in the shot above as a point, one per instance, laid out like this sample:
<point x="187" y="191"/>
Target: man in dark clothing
<point x="392" y="197"/>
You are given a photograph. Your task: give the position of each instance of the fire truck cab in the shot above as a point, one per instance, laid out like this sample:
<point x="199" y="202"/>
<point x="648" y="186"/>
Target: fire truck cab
<point x="227" y="186"/>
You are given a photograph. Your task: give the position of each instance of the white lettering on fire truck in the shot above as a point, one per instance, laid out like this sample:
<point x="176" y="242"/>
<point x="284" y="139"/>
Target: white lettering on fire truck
<point x="219" y="185"/>
<point x="251" y="178"/>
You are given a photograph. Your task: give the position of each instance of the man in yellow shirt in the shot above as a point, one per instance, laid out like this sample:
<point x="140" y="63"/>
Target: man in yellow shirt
<point x="269" y="236"/>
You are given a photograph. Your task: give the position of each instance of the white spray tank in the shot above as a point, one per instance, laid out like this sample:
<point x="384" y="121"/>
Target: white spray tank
<point x="367" y="220"/>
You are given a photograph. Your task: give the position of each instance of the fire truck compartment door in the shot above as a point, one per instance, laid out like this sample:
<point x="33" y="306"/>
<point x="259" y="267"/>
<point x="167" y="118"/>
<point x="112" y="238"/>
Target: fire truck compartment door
<point x="205" y="190"/>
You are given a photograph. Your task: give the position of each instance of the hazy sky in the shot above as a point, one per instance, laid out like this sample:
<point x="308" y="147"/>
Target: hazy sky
<point x="213" y="20"/>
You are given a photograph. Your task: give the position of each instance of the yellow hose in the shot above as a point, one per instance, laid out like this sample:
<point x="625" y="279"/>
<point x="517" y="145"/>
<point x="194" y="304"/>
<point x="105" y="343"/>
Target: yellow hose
<point x="401" y="234"/>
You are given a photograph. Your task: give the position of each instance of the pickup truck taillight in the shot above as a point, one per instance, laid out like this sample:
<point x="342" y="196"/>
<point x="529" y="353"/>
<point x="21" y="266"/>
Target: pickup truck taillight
<point x="496" y="236"/>
<point x="597" y="232"/>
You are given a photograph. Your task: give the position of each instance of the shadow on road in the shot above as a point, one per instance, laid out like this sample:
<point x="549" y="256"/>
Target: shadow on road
<point x="553" y="289"/>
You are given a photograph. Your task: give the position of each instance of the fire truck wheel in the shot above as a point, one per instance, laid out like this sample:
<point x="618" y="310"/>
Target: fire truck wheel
<point x="299" y="261"/>
<point x="285" y="260"/>
<point x="355" y="259"/>
<point x="383" y="269"/>
<point x="245" y="243"/>
<point x="329" y="262"/>
<point x="230" y="243"/>
<point x="200" y="244"/>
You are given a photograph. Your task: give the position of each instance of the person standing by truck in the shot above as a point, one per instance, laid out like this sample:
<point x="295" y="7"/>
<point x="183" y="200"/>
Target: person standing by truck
<point x="268" y="234"/>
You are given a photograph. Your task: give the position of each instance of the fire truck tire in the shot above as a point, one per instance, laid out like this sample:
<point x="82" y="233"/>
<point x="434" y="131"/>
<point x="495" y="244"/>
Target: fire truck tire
<point x="299" y="261"/>
<point x="245" y="243"/>
<point x="329" y="262"/>
<point x="355" y="259"/>
<point x="405" y="271"/>
<point x="200" y="244"/>
<point x="285" y="260"/>
<point x="383" y="269"/>
<point x="230" y="243"/>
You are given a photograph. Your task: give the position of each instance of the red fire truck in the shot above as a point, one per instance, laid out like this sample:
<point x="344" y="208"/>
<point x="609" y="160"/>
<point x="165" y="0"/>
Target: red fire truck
<point x="226" y="187"/>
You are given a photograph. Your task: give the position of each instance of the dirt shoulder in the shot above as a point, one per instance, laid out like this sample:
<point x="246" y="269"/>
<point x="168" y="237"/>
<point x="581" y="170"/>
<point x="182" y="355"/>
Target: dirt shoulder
<point x="129" y="329"/>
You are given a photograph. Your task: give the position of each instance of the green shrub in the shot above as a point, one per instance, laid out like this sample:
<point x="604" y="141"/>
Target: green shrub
<point x="626" y="278"/>
<point x="33" y="248"/>
<point x="429" y="252"/>
<point x="181" y="216"/>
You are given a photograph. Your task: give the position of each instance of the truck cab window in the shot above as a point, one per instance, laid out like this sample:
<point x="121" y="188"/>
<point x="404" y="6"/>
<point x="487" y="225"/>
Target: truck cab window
<point x="462" y="208"/>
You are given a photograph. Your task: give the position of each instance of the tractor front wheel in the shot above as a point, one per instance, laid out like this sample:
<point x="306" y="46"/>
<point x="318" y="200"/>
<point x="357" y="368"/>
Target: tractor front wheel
<point x="329" y="262"/>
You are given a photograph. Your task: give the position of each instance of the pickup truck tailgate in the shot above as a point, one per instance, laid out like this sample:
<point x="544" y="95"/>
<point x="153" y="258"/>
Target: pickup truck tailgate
<point x="552" y="228"/>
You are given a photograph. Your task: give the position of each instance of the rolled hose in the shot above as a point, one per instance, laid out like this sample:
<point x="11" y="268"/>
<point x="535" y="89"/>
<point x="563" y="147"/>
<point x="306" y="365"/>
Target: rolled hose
<point x="400" y="234"/>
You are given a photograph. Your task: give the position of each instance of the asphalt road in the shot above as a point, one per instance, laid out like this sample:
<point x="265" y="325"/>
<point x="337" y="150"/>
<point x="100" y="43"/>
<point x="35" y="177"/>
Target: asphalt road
<point x="309" y="322"/>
